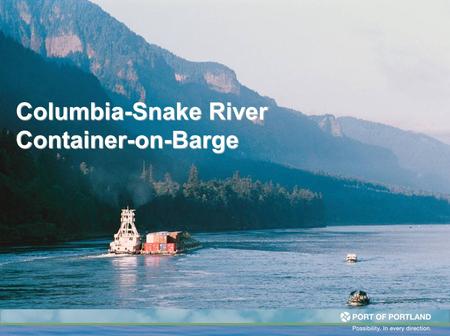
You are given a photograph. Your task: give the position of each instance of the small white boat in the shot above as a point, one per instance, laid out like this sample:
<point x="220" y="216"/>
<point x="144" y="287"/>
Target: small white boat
<point x="127" y="240"/>
<point x="351" y="258"/>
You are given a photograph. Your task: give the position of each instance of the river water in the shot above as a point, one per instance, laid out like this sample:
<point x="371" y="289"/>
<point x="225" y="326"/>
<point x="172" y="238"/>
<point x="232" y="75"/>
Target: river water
<point x="400" y="266"/>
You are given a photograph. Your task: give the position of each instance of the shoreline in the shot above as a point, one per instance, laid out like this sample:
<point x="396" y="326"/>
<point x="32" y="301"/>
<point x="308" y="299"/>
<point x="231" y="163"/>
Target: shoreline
<point x="107" y="236"/>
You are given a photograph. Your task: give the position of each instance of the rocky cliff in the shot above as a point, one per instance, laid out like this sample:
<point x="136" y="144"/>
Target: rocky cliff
<point x="131" y="69"/>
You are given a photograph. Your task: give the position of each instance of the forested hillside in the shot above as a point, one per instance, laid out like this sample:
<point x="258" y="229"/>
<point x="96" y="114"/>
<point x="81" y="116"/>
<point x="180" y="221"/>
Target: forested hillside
<point x="234" y="203"/>
<point x="346" y="200"/>
<point x="45" y="198"/>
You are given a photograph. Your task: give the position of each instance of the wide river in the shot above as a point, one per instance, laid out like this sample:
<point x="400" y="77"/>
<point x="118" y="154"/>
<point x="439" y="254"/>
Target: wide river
<point x="400" y="266"/>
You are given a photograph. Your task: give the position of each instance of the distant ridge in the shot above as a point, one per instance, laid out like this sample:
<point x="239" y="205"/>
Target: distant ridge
<point x="427" y="157"/>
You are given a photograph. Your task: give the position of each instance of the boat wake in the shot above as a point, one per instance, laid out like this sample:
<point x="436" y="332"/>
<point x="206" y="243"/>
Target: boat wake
<point x="104" y="255"/>
<point x="411" y="301"/>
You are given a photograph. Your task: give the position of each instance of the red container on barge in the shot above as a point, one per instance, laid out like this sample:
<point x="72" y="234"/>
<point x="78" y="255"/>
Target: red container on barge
<point x="165" y="242"/>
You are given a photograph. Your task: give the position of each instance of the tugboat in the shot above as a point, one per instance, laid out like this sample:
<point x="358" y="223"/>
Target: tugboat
<point x="127" y="240"/>
<point x="358" y="298"/>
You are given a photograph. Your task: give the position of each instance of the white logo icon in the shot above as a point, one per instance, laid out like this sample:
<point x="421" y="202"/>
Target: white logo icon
<point x="345" y="317"/>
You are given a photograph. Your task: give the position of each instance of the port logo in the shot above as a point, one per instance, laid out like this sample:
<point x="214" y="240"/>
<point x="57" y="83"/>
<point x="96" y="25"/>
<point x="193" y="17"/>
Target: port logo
<point x="345" y="317"/>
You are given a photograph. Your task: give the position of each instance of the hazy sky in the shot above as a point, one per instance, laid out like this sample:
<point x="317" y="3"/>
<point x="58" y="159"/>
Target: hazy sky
<point x="381" y="60"/>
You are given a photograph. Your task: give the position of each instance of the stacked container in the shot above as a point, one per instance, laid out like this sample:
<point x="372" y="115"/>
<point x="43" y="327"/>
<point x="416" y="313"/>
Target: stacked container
<point x="161" y="243"/>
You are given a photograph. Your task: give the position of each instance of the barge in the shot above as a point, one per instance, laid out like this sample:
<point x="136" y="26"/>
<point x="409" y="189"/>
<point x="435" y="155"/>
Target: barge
<point x="164" y="242"/>
<point x="128" y="240"/>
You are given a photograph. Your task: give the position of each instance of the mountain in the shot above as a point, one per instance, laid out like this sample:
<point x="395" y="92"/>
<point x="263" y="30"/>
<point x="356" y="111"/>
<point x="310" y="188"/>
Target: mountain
<point x="77" y="194"/>
<point x="328" y="124"/>
<point x="427" y="158"/>
<point x="44" y="196"/>
<point x="48" y="196"/>
<point x="26" y="76"/>
<point x="441" y="136"/>
<point x="130" y="68"/>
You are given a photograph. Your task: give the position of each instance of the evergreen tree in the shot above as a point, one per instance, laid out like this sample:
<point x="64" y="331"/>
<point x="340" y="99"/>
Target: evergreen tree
<point x="190" y="188"/>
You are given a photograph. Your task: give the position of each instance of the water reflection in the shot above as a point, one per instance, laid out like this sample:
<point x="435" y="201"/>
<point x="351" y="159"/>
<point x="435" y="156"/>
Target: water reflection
<point x="152" y="261"/>
<point x="126" y="271"/>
